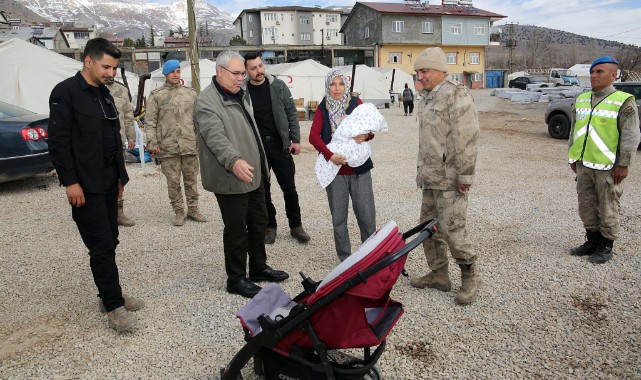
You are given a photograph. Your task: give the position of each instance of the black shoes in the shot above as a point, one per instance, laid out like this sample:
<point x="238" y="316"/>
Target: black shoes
<point x="269" y="274"/>
<point x="603" y="253"/>
<point x="299" y="234"/>
<point x="593" y="239"/>
<point x="243" y="287"/>
<point x="270" y="235"/>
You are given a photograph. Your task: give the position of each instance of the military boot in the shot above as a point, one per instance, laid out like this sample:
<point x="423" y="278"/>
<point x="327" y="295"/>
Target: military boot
<point x="469" y="284"/>
<point x="123" y="220"/>
<point x="179" y="219"/>
<point x="592" y="240"/>
<point x="195" y="215"/>
<point x="131" y="303"/>
<point x="603" y="253"/>
<point x="438" y="279"/>
<point x="121" y="319"/>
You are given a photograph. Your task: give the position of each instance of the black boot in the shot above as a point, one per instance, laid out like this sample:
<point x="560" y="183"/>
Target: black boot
<point x="593" y="239"/>
<point x="603" y="253"/>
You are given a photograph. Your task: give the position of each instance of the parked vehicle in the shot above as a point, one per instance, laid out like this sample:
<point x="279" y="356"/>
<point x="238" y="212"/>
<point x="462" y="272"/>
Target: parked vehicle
<point x="562" y="77"/>
<point x="522" y="82"/>
<point x="558" y="114"/>
<point x="24" y="151"/>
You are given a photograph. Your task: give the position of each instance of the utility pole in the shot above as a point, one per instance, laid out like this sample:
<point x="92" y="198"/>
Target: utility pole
<point x="194" y="57"/>
<point x="510" y="44"/>
<point x="323" y="46"/>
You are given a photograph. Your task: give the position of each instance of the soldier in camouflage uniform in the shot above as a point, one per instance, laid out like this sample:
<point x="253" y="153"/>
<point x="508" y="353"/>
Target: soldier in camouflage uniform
<point x="120" y="93"/>
<point x="169" y="127"/>
<point x="448" y="138"/>
<point x="602" y="144"/>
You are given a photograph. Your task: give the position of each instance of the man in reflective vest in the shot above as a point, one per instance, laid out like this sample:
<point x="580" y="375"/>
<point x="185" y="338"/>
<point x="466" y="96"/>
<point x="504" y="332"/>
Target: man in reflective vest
<point x="603" y="142"/>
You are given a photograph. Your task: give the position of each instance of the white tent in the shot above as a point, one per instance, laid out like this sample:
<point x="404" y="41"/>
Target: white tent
<point x="207" y="71"/>
<point x="582" y="72"/>
<point x="370" y="84"/>
<point x="400" y="78"/>
<point x="30" y="72"/>
<point x="305" y="79"/>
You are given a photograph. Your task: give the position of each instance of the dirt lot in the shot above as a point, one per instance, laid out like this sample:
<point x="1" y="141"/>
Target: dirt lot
<point x="541" y="314"/>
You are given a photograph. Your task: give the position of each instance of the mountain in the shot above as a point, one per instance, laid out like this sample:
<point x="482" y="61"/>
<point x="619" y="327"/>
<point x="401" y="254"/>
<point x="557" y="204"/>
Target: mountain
<point x="133" y="18"/>
<point x="539" y="47"/>
<point x="13" y="9"/>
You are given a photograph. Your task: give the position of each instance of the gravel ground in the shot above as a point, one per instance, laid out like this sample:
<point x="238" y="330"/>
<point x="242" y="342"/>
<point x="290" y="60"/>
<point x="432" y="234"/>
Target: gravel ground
<point x="541" y="314"/>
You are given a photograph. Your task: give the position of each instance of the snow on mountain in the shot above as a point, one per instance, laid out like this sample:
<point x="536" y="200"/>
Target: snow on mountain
<point x="130" y="18"/>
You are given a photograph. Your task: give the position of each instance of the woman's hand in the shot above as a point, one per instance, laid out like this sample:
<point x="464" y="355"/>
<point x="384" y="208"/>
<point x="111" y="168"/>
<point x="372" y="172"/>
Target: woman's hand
<point x="338" y="159"/>
<point x="361" y="138"/>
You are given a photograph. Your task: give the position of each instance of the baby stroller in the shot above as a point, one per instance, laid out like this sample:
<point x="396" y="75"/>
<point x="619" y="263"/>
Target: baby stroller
<point x="351" y="308"/>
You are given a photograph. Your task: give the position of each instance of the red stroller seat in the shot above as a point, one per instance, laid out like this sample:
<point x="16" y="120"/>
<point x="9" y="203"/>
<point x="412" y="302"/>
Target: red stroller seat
<point x="350" y="308"/>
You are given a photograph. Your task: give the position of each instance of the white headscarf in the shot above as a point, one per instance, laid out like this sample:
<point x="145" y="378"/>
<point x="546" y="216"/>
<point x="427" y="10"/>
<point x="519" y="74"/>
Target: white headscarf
<point x="336" y="108"/>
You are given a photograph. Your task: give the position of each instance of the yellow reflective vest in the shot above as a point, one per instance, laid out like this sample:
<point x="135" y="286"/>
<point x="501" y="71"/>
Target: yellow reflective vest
<point x="596" y="132"/>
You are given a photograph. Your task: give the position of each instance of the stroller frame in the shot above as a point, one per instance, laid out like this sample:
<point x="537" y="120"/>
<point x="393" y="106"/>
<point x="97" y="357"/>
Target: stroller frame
<point x="274" y="330"/>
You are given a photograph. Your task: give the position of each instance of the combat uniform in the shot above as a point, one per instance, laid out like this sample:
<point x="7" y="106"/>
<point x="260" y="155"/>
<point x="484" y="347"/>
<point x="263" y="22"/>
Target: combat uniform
<point x="120" y="94"/>
<point x="448" y="138"/>
<point x="125" y="113"/>
<point x="169" y="125"/>
<point x="605" y="135"/>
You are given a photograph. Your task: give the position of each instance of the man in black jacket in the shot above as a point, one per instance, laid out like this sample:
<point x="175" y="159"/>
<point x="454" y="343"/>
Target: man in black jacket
<point x="277" y="121"/>
<point x="86" y="150"/>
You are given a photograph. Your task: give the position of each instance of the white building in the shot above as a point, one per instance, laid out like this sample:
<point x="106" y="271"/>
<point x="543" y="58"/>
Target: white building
<point x="289" y="26"/>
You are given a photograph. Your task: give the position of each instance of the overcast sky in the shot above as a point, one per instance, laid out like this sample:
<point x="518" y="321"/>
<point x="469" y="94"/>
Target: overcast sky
<point x="617" y="20"/>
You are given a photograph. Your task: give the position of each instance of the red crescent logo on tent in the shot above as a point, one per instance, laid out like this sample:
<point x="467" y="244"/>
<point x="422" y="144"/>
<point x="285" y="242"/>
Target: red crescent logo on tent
<point x="349" y="78"/>
<point x="290" y="79"/>
<point x="182" y="82"/>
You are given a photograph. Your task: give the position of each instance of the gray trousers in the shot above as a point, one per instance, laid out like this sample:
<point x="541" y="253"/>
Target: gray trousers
<point x="450" y="208"/>
<point x="359" y="188"/>
<point x="598" y="196"/>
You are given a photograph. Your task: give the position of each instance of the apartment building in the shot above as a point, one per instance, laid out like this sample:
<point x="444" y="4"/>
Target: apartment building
<point x="289" y="26"/>
<point x="402" y="30"/>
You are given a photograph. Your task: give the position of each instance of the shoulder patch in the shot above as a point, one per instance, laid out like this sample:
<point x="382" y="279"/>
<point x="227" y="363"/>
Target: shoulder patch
<point x="627" y="111"/>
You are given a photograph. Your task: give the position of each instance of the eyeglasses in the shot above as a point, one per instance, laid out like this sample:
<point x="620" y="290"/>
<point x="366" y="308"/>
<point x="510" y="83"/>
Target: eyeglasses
<point x="112" y="106"/>
<point x="236" y="73"/>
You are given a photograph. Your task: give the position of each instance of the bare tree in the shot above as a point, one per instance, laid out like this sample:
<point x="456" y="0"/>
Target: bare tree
<point x="629" y="60"/>
<point x="536" y="52"/>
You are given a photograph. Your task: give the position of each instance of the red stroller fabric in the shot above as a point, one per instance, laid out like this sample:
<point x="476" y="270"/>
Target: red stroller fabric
<point x="362" y="316"/>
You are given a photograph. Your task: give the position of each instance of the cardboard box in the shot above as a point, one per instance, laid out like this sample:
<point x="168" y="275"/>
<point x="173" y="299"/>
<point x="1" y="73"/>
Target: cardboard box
<point x="302" y="115"/>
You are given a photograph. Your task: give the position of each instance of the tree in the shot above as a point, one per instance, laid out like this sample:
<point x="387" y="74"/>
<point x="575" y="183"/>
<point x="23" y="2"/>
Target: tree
<point x="180" y="31"/>
<point x="152" y="41"/>
<point x="128" y="42"/>
<point x="629" y="59"/>
<point x="537" y="51"/>
<point x="140" y="43"/>
<point x="237" y="41"/>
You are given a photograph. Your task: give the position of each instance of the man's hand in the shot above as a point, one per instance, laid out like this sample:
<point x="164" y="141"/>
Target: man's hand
<point x="619" y="173"/>
<point x="243" y="171"/>
<point x="155" y="150"/>
<point x="338" y="159"/>
<point x="75" y="195"/>
<point x="131" y="144"/>
<point x="463" y="187"/>
<point x="573" y="166"/>
<point x="294" y="148"/>
<point x="121" y="188"/>
<point x="361" y="138"/>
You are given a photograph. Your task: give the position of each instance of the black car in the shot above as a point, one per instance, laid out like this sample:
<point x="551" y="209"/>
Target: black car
<point x="522" y="82"/>
<point x="23" y="143"/>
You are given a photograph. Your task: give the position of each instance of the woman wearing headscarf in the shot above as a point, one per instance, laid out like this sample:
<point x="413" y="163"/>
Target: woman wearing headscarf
<point x="350" y="182"/>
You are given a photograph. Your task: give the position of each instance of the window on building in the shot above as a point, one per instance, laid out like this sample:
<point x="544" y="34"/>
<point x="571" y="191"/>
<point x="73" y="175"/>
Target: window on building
<point x="457" y="77"/>
<point x="305" y="36"/>
<point x="366" y="34"/>
<point x="451" y="58"/>
<point x="251" y="33"/>
<point x="331" y="18"/>
<point x="477" y="77"/>
<point x="479" y="29"/>
<point x="398" y="26"/>
<point x="249" y="18"/>
<point x="475" y="58"/>
<point x="456" y="28"/>
<point x="292" y="15"/>
<point x="304" y="20"/>
<point x="395" y="57"/>
<point x="427" y="27"/>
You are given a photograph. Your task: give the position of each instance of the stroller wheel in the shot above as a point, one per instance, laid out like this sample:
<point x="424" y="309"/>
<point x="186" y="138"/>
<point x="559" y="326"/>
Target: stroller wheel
<point x="373" y="374"/>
